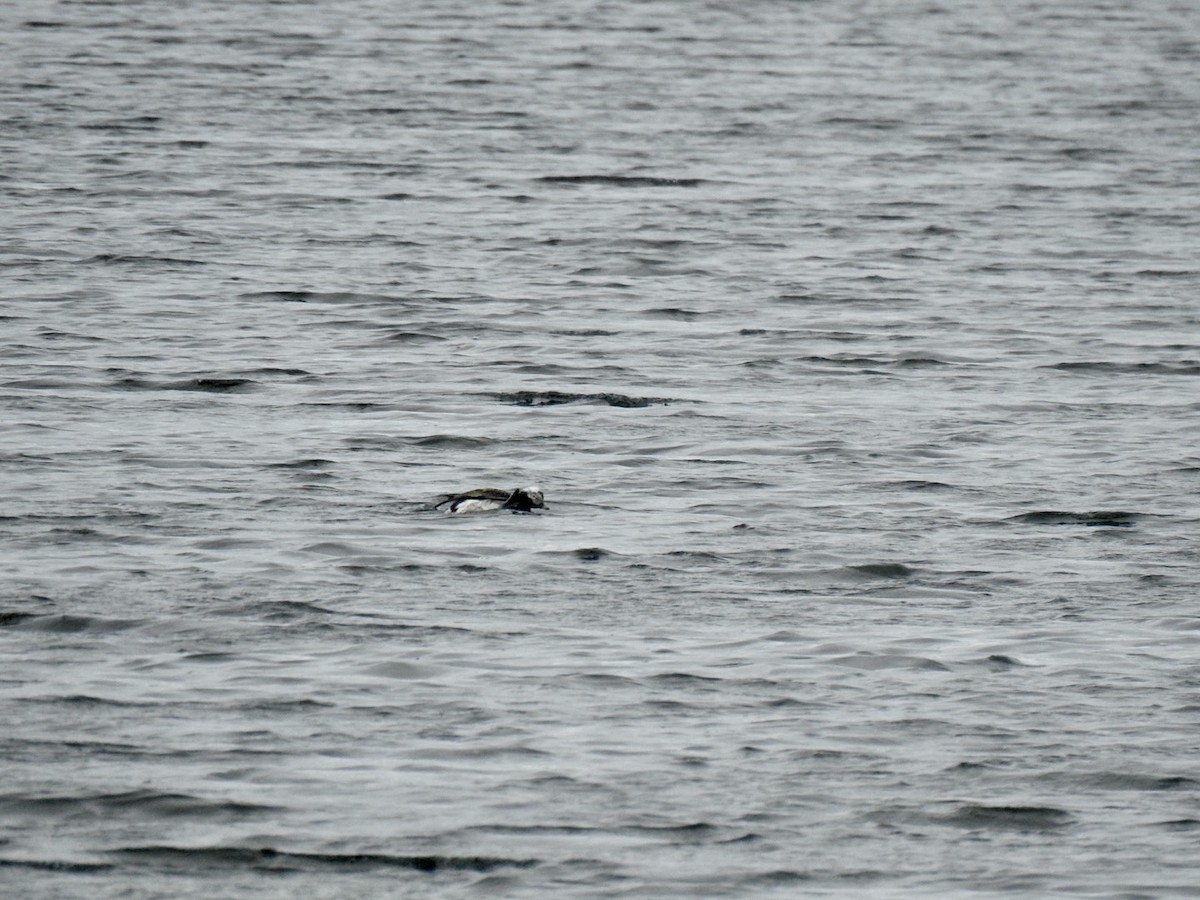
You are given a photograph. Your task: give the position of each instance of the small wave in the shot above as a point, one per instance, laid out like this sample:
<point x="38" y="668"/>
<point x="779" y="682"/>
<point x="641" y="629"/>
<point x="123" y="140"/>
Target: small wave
<point x="1001" y="661"/>
<point x="690" y="831"/>
<point x="673" y="312"/>
<point x="208" y="385"/>
<point x="306" y="464"/>
<point x="317" y="297"/>
<point x="287" y="610"/>
<point x="136" y="802"/>
<point x="90" y="700"/>
<point x="1184" y="367"/>
<point x="701" y="556"/>
<point x="450" y="441"/>
<point x="682" y="678"/>
<point x="556" y="398"/>
<point x="411" y="337"/>
<point x="427" y="442"/>
<point x="1182" y="825"/>
<point x="861" y="362"/>
<point x="622" y="180"/>
<point x="1124" y="781"/>
<point x="42" y="384"/>
<point x="268" y="858"/>
<point x="603" y="679"/>
<point x="872" y="661"/>
<point x="917" y="485"/>
<point x="1101" y="518"/>
<point x="48" y="334"/>
<point x="113" y="259"/>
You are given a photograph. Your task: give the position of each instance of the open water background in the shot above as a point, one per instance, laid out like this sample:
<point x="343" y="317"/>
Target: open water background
<point x="855" y="346"/>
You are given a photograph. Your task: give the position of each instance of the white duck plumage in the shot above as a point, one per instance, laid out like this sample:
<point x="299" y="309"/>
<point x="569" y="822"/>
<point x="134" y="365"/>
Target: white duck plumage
<point x="490" y="499"/>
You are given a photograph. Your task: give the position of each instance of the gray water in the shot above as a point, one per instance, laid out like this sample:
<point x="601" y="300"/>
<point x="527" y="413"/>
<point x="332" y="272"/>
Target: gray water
<point x="854" y="345"/>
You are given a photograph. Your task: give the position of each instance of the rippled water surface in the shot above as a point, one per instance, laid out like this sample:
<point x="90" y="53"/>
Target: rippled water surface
<point x="854" y="345"/>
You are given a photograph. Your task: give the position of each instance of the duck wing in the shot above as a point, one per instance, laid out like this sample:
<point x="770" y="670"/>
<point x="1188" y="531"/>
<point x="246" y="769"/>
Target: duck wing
<point x="485" y="493"/>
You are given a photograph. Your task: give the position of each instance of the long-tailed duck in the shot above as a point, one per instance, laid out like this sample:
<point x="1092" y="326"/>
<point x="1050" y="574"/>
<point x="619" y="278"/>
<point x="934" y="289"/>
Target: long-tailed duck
<point x="490" y="499"/>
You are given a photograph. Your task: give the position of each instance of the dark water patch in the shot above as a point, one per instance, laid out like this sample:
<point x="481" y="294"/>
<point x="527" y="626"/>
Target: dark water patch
<point x="213" y="656"/>
<point x="1184" y="367"/>
<point x="701" y="556"/>
<point x="411" y="337"/>
<point x="384" y="566"/>
<point x="10" y="618"/>
<point x="117" y="259"/>
<point x="1098" y="519"/>
<point x="450" y="442"/>
<point x="205" y="385"/>
<point x="622" y="180"/>
<point x="269" y="859"/>
<point x="68" y="624"/>
<point x="870" y="364"/>
<point x="673" y="312"/>
<point x="917" y="485"/>
<point x="334" y="297"/>
<point x="212" y="385"/>
<point x="54" y="865"/>
<point x="43" y="384"/>
<point x="582" y="554"/>
<point x="539" y="829"/>
<point x="424" y="442"/>
<point x="1126" y="781"/>
<point x="1181" y="825"/>
<point x="139" y="803"/>
<point x="882" y="570"/>
<point x="291" y="610"/>
<point x="302" y="464"/>
<point x="1089" y="153"/>
<point x="280" y="296"/>
<point x="1007" y="818"/>
<point x="301" y="704"/>
<point x="49" y="334"/>
<point x="353" y="405"/>
<point x="556" y="398"/>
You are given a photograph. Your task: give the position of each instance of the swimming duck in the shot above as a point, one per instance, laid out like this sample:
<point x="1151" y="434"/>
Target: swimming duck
<point x="489" y="499"/>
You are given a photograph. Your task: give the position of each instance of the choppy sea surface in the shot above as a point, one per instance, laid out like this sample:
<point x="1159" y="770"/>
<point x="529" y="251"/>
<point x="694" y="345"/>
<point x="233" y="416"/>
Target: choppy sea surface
<point x="855" y="346"/>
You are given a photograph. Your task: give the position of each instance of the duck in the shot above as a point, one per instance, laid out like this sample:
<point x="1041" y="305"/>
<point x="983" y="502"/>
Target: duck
<point x="490" y="499"/>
